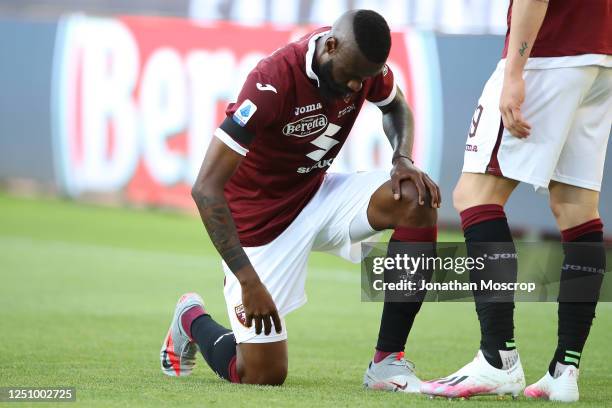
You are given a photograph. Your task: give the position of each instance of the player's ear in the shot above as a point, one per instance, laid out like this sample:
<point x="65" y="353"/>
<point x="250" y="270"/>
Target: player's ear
<point x="331" y="45"/>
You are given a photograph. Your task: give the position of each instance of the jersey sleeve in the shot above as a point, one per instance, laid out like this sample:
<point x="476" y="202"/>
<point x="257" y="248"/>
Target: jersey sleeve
<point x="256" y="108"/>
<point x="382" y="90"/>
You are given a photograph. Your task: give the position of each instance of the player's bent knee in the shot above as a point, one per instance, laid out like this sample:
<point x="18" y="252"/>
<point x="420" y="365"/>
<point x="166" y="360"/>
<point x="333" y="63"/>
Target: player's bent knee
<point x="571" y="210"/>
<point x="263" y="363"/>
<point x="275" y="376"/>
<point x="460" y="198"/>
<point x="410" y="213"/>
<point x="385" y="212"/>
<point x="464" y="195"/>
<point x="272" y="374"/>
<point x="476" y="189"/>
<point x="557" y="209"/>
<point x="570" y="215"/>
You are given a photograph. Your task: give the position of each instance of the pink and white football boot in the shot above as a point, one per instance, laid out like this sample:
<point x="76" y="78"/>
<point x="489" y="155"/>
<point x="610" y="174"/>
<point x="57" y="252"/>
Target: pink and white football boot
<point x="478" y="378"/>
<point x="563" y="387"/>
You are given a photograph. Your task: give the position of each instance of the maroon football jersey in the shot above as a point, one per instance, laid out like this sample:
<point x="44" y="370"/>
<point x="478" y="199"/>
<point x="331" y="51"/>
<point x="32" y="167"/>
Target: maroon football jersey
<point x="289" y="136"/>
<point x="572" y="27"/>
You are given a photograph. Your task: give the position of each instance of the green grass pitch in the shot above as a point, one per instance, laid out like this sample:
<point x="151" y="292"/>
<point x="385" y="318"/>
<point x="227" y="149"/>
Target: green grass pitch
<point x="87" y="293"/>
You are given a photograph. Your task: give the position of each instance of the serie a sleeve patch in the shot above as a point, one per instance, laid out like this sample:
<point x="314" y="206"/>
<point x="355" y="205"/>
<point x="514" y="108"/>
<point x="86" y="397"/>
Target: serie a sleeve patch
<point x="244" y="112"/>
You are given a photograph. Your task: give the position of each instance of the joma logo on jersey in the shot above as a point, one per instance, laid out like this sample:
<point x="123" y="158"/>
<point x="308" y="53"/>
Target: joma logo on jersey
<point x="475" y="121"/>
<point x="308" y="108"/>
<point x="306" y="126"/>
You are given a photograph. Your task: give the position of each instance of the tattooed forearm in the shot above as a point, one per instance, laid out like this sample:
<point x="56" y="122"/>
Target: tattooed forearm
<point x="222" y="231"/>
<point x="398" y="125"/>
<point x="523" y="48"/>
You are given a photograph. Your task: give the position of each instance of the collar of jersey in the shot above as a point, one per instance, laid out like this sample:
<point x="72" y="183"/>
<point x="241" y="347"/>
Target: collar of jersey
<point x="310" y="55"/>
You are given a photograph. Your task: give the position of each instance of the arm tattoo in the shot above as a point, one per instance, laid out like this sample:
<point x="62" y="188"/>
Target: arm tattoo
<point x="398" y="126"/>
<point x="222" y="230"/>
<point x="524" y="46"/>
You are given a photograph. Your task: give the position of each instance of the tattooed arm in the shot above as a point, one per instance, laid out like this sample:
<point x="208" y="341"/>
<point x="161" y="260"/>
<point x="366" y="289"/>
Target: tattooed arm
<point x="398" y="124"/>
<point x="218" y="166"/>
<point x="527" y="18"/>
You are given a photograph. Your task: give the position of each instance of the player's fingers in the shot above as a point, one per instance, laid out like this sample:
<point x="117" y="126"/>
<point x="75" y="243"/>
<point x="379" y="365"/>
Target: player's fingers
<point x="519" y="131"/>
<point x="249" y="320"/>
<point x="520" y="120"/>
<point x="521" y="125"/>
<point x="508" y="120"/>
<point x="396" y="187"/>
<point x="504" y="117"/>
<point x="420" y="186"/>
<point x="267" y="325"/>
<point x="277" y="322"/>
<point x="439" y="193"/>
<point x="434" y="192"/>
<point x="517" y="128"/>
<point x="257" y="324"/>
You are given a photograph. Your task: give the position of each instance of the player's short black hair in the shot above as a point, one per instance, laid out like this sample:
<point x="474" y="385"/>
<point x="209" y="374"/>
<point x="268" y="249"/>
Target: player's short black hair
<point x="372" y="35"/>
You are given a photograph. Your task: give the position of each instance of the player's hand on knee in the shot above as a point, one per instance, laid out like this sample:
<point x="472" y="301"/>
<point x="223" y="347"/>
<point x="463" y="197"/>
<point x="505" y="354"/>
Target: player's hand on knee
<point x="259" y="308"/>
<point x="512" y="98"/>
<point x="404" y="169"/>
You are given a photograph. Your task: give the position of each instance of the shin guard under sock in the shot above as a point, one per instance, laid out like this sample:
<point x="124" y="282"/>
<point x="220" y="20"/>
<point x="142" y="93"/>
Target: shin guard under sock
<point x="582" y="274"/>
<point x="218" y="346"/>
<point x="486" y="231"/>
<point x="398" y="316"/>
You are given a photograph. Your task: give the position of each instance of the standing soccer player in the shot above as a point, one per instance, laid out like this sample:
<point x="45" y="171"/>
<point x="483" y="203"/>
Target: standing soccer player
<point x="266" y="201"/>
<point x="544" y="119"/>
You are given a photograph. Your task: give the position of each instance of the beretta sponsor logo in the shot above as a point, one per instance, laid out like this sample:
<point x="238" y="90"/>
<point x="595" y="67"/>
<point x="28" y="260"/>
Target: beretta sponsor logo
<point x="306" y="126"/>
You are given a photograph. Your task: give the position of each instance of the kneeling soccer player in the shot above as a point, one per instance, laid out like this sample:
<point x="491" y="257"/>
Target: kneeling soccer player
<point x="559" y="64"/>
<point x="266" y="201"/>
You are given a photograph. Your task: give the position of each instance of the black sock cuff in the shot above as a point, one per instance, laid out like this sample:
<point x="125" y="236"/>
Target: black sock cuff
<point x="481" y="213"/>
<point x="593" y="229"/>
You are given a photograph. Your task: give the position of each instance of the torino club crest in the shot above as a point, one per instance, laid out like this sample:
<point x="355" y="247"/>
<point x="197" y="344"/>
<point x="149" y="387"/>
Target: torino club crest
<point x="240" y="314"/>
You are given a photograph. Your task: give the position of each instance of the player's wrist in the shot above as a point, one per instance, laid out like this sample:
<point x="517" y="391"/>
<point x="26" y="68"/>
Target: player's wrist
<point x="397" y="156"/>
<point x="512" y="73"/>
<point x="247" y="277"/>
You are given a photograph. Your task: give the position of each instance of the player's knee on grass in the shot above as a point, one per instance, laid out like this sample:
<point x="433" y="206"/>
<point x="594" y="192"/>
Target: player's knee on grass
<point x="273" y="373"/>
<point x="263" y="363"/>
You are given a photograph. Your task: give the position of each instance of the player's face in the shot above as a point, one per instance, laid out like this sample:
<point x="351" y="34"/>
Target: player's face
<point x="329" y="88"/>
<point x="344" y="72"/>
